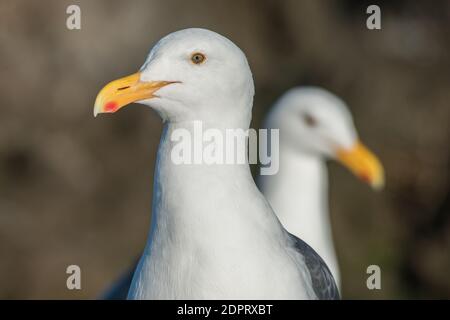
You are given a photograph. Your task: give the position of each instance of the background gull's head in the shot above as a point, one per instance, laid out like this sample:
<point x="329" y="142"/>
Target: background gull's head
<point x="315" y="122"/>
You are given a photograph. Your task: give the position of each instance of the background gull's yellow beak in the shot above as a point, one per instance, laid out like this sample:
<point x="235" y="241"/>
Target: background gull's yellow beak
<point x="124" y="91"/>
<point x="363" y="163"/>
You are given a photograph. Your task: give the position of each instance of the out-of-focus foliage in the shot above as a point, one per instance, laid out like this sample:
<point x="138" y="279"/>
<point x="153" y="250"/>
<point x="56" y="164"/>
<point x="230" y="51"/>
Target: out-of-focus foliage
<point x="74" y="190"/>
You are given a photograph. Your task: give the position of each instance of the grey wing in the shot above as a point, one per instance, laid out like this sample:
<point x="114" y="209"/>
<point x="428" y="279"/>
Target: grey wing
<point x="322" y="280"/>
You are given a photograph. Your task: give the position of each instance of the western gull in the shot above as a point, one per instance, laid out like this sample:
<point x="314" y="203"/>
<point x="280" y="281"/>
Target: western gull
<point x="315" y="125"/>
<point x="213" y="234"/>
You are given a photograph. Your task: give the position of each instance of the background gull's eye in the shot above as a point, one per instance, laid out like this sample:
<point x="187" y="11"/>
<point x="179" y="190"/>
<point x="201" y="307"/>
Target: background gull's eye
<point x="309" y="120"/>
<point x="198" y="58"/>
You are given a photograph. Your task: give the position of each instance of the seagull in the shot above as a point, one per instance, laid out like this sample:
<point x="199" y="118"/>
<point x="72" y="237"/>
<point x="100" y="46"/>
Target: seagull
<point x="213" y="234"/>
<point x="314" y="126"/>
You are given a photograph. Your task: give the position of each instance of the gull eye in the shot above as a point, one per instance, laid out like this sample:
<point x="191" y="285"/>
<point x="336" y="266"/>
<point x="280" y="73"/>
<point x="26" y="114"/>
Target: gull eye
<point x="198" y="58"/>
<point x="309" y="120"/>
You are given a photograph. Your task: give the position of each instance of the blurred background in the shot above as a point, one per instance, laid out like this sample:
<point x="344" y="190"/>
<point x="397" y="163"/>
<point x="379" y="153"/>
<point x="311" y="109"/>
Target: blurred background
<point x="74" y="190"/>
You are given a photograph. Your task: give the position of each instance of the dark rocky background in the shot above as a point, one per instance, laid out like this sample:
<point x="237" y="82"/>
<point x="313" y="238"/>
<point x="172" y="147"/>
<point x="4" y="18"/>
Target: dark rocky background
<point x="74" y="190"/>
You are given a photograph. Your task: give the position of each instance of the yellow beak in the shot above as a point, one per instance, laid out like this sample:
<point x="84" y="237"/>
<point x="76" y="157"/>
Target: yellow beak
<point x="124" y="91"/>
<point x="363" y="163"/>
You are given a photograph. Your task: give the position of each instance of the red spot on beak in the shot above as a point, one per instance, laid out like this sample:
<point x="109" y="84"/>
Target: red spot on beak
<point x="110" y="106"/>
<point x="365" y="177"/>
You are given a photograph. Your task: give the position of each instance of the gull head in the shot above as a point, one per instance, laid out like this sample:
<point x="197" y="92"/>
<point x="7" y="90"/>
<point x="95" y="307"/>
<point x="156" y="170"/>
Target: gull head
<point x="315" y="122"/>
<point x="191" y="74"/>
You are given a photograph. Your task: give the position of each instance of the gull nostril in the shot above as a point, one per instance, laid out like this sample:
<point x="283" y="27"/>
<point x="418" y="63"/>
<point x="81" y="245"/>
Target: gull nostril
<point x="123" y="88"/>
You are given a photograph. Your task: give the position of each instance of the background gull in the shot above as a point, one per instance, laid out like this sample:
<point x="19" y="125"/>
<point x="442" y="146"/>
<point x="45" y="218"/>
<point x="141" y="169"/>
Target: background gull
<point x="314" y="125"/>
